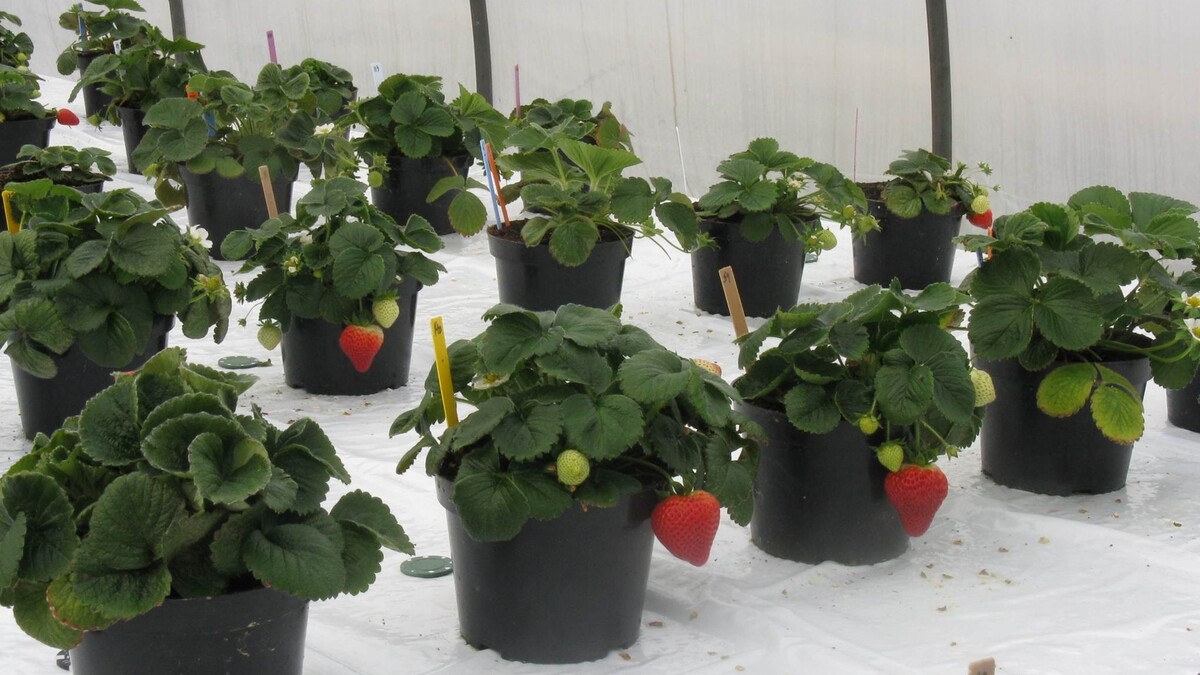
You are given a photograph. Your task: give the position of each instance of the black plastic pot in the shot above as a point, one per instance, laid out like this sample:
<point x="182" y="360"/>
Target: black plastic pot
<point x="13" y="135"/>
<point x="248" y="633"/>
<point x="313" y="360"/>
<point x="1183" y="406"/>
<point x="1023" y="448"/>
<point x="44" y="404"/>
<point x="94" y="100"/>
<point x="528" y="276"/>
<point x="222" y="205"/>
<point x="820" y="497"/>
<point x="133" y="130"/>
<point x="407" y="184"/>
<point x="917" y="251"/>
<point x="562" y="591"/>
<point x="768" y="272"/>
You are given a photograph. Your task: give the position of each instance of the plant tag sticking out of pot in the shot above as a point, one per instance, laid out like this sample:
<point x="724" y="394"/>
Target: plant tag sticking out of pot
<point x="377" y="73"/>
<point x="982" y="667"/>
<point x="240" y="362"/>
<point x="427" y="566"/>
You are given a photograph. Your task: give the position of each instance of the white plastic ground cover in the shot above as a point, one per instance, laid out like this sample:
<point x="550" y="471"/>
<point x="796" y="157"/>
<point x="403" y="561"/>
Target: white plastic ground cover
<point x="1088" y="584"/>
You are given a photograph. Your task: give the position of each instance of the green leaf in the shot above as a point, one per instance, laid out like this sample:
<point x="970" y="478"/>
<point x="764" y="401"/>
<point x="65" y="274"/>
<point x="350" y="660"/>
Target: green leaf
<point x="297" y="559"/>
<point x="1009" y="273"/>
<point x="32" y="614"/>
<point x="145" y="249"/>
<point x="49" y="539"/>
<point x="308" y="435"/>
<point x="467" y="213"/>
<point x="512" y="338"/>
<point x="710" y="395"/>
<point x="572" y="363"/>
<point x="70" y="609"/>
<point x="904" y="393"/>
<point x="587" y="326"/>
<point x="179" y="406"/>
<point x="362" y="557"/>
<point x="86" y="257"/>
<point x="130" y="520"/>
<point x="1001" y="326"/>
<point x="743" y="171"/>
<point x="528" y="432"/>
<point x="605" y="487"/>
<point x="311" y="478"/>
<point x="604" y="427"/>
<point x="653" y="376"/>
<point x="371" y="514"/>
<point x="482" y="421"/>
<point x="953" y="391"/>
<point x="227" y="473"/>
<point x="227" y="541"/>
<point x="1066" y="314"/>
<point x="809" y="408"/>
<point x="489" y="502"/>
<point x="357" y="272"/>
<point x="167" y="446"/>
<point x="759" y="196"/>
<point x="902" y="200"/>
<point x="598" y="163"/>
<point x="1065" y="390"/>
<point x="1117" y="414"/>
<point x="120" y="594"/>
<point x="572" y="241"/>
<point x="280" y="493"/>
<point x="12" y="546"/>
<point x="108" y="428"/>
<point x="632" y="200"/>
<point x="850" y="340"/>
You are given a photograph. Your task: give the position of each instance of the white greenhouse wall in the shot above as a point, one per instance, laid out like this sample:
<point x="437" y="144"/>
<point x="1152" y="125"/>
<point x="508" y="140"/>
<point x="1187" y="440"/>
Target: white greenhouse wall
<point x="1054" y="94"/>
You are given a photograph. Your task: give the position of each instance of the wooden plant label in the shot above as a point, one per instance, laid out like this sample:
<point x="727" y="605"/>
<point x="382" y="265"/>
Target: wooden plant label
<point x="442" y="358"/>
<point x="734" y="300"/>
<point x="982" y="667"/>
<point x="264" y="175"/>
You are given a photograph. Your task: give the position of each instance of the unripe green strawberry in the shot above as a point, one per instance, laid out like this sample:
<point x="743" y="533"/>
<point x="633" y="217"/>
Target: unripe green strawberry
<point x="269" y="336"/>
<point x="980" y="204"/>
<point x="375" y="179"/>
<point x="868" y="424"/>
<point x="985" y="391"/>
<point x="573" y="467"/>
<point x="891" y="455"/>
<point x="385" y="311"/>
<point x="826" y="240"/>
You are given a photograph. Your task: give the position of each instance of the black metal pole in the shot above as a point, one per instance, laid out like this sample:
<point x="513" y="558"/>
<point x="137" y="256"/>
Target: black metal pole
<point x="939" y="77"/>
<point x="178" y="24"/>
<point x="483" y="49"/>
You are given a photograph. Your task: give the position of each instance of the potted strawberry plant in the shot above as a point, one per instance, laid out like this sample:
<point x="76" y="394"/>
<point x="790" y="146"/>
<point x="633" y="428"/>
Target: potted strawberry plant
<point x="163" y="531"/>
<point x="918" y="213"/>
<point x="215" y="143"/>
<point x="858" y="399"/>
<point x="1077" y="307"/>
<point x="148" y="69"/>
<point x="554" y="485"/>
<point x="762" y="216"/>
<point x="23" y="119"/>
<point x="1183" y="403"/>
<point x="338" y="283"/>
<point x="85" y="169"/>
<point x="419" y="148"/>
<point x="90" y="285"/>
<point x="581" y="218"/>
<point x="98" y="32"/>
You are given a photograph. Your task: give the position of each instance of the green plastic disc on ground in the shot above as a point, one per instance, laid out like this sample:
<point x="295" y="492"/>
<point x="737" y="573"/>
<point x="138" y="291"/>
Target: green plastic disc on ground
<point x="427" y="566"/>
<point x="239" y="362"/>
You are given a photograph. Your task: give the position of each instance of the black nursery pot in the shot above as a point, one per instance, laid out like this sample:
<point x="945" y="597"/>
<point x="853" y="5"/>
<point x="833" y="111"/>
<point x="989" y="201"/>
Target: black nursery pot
<point x="917" y="251"/>
<point x="820" y="497"/>
<point x="94" y="100"/>
<point x="565" y="590"/>
<point x="1183" y="406"/>
<point x="14" y="134"/>
<point x="248" y="633"/>
<point x="768" y="272"/>
<point x="133" y="130"/>
<point x="313" y="361"/>
<point x="407" y="185"/>
<point x="529" y="277"/>
<point x="44" y="404"/>
<point x="1026" y="449"/>
<point x="222" y="205"/>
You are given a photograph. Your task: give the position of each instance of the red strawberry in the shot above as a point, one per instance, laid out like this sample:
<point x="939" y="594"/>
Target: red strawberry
<point x="361" y="344"/>
<point x="67" y="118"/>
<point x="687" y="525"/>
<point x="916" y="492"/>
<point x="980" y="220"/>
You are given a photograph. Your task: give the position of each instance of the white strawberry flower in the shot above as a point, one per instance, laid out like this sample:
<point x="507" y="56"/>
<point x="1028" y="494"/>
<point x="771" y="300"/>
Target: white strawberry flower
<point x="323" y="129"/>
<point x="1192" y="301"/>
<point x="305" y="238"/>
<point x="292" y="265"/>
<point x="1193" y="326"/>
<point x="198" y="236"/>
<point x="488" y="380"/>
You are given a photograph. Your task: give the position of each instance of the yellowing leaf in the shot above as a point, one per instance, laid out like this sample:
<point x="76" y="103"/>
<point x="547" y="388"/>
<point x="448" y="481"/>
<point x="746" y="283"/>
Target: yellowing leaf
<point x="1118" y="415"/>
<point x="1066" y="389"/>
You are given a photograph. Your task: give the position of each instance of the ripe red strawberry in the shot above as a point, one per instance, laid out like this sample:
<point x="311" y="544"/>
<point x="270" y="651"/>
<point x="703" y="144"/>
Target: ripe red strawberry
<point x="361" y="344"/>
<point x="981" y="220"/>
<point x="916" y="492"/>
<point x="67" y="118"/>
<point x="687" y="525"/>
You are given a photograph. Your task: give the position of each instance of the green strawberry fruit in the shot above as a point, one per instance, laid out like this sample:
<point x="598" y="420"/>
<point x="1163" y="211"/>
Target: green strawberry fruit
<point x="980" y="204"/>
<point x="826" y="240"/>
<point x="985" y="391"/>
<point x="868" y="424"/>
<point x="573" y="467"/>
<point x="269" y="336"/>
<point x="891" y="455"/>
<point x="375" y="179"/>
<point x="385" y="311"/>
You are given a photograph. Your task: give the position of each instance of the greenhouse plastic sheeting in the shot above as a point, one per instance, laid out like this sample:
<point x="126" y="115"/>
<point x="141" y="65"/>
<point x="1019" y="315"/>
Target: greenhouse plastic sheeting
<point x="1088" y="584"/>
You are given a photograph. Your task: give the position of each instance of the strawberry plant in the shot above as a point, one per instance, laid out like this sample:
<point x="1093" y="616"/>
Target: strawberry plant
<point x="410" y="117"/>
<point x="18" y="85"/>
<point x="335" y="260"/>
<point x="578" y="121"/>
<point x="576" y="382"/>
<point x="1067" y="285"/>
<point x="162" y="489"/>
<point x="924" y="182"/>
<point x="98" y="30"/>
<point x="881" y="360"/>
<point x="95" y="270"/>
<point x="62" y="164"/>
<point x="575" y="194"/>
<point x="764" y="188"/>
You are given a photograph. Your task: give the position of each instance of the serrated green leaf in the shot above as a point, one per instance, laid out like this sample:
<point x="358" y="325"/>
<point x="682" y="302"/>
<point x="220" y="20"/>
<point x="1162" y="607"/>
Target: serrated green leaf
<point x="528" y="433"/>
<point x="482" y="421"/>
<point x="307" y="434"/>
<point x="512" y="338"/>
<point x="586" y="326"/>
<point x="1065" y="390"/>
<point x="370" y="513"/>
<point x="310" y="475"/>
<point x="653" y="376"/>
<point x="1117" y="414"/>
<point x="12" y="546"/>
<point x="67" y="607"/>
<point x="902" y="200"/>
<point x="1001" y="326"/>
<point x="1066" y="314"/>
<point x="120" y="594"/>
<point x="129" y="522"/>
<point x="297" y="559"/>
<point x="227" y="472"/>
<point x="604" y="427"/>
<point x="572" y="363"/>
<point x="32" y="613"/>
<point x="49" y="538"/>
<point x="166" y="447"/>
<point x="145" y="249"/>
<point x="809" y="408"/>
<point x="572" y="240"/>
<point x="281" y="490"/>
<point x="904" y="392"/>
<point x="362" y="557"/>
